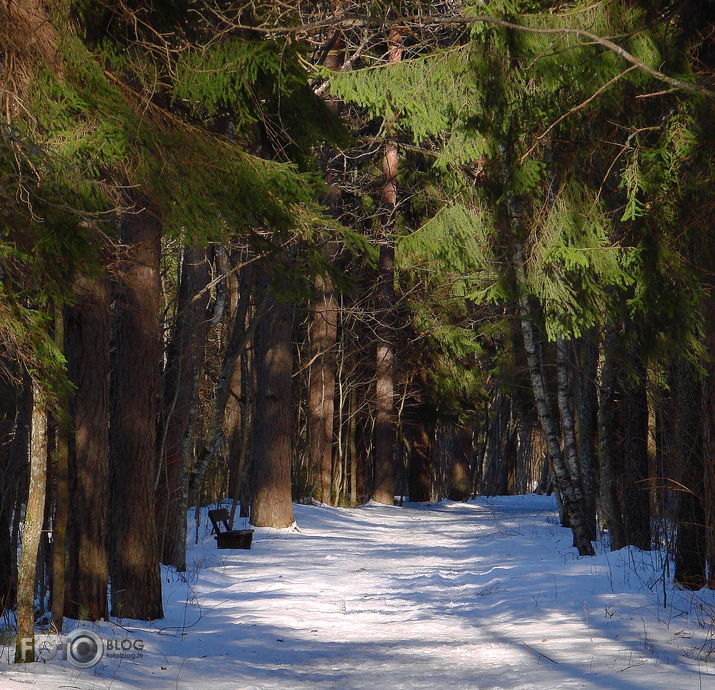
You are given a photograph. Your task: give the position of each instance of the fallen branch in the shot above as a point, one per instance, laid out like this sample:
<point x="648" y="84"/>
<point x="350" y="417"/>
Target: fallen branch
<point x="553" y="661"/>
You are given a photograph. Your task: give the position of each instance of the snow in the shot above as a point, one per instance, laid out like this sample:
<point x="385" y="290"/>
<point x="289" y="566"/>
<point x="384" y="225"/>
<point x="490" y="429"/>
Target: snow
<point x="488" y="594"/>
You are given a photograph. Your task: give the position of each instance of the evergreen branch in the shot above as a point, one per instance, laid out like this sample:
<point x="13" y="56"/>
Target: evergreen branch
<point x="361" y="21"/>
<point x="575" y="109"/>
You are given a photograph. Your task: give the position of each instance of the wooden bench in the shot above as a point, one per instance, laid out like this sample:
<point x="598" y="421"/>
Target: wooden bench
<point x="229" y="538"/>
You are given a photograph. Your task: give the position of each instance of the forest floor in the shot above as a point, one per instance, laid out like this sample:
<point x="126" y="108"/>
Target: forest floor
<point x="488" y="594"/>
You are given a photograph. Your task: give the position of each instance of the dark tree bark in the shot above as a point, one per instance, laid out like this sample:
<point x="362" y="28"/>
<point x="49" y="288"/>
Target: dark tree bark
<point x="416" y="428"/>
<point x="13" y="458"/>
<point x="495" y="478"/>
<point x="134" y="557"/>
<point x="184" y="363"/>
<point x="458" y="487"/>
<point x="353" y="446"/>
<point x="248" y="388"/>
<point x="636" y="499"/>
<point x="691" y="545"/>
<point x="587" y="424"/>
<point x="271" y="447"/>
<point x="87" y="353"/>
<point x="608" y="473"/>
<point x="708" y="414"/>
<point x="62" y="498"/>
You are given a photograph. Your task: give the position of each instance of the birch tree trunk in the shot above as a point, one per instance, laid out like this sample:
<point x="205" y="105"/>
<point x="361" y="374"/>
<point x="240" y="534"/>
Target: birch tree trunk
<point x="34" y="515"/>
<point x="568" y="430"/>
<point x="549" y="424"/>
<point x="248" y="388"/>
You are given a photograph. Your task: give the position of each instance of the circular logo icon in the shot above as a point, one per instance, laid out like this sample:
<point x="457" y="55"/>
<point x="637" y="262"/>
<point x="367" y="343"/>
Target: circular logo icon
<point x="84" y="648"/>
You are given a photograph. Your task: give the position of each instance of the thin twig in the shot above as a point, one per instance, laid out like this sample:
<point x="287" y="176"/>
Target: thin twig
<point x="553" y="661"/>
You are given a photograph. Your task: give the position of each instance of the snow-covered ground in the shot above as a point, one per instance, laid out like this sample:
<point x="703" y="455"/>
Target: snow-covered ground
<point x="482" y="595"/>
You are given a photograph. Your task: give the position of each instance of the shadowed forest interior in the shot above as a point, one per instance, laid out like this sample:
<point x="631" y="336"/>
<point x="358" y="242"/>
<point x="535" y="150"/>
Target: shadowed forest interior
<point x="256" y="254"/>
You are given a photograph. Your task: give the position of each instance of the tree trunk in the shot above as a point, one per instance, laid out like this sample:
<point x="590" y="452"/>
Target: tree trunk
<point x="549" y="424"/>
<point x="248" y="388"/>
<point x="608" y="480"/>
<point x="241" y="333"/>
<point x="495" y="478"/>
<point x="34" y="516"/>
<point x="568" y="430"/>
<point x="134" y="562"/>
<point x="587" y="426"/>
<point x="324" y="324"/>
<point x="691" y="545"/>
<point x="353" y="446"/>
<point x="59" y="531"/>
<point x="636" y="499"/>
<point x="87" y="337"/>
<point x="271" y="447"/>
<point x="708" y="415"/>
<point x="383" y="486"/>
<point x="17" y="411"/>
<point x="321" y="391"/>
<point x="419" y="463"/>
<point x="459" y="466"/>
<point x="184" y="362"/>
<point x="383" y="483"/>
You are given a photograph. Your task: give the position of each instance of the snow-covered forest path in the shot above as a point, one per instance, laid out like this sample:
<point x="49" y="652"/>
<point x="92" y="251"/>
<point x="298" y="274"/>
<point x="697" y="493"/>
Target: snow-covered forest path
<point x="483" y="595"/>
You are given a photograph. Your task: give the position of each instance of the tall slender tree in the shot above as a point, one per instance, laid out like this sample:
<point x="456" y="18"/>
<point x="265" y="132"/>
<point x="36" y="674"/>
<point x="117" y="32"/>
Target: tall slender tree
<point x="184" y="362"/>
<point x="32" y="531"/>
<point x="383" y="490"/>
